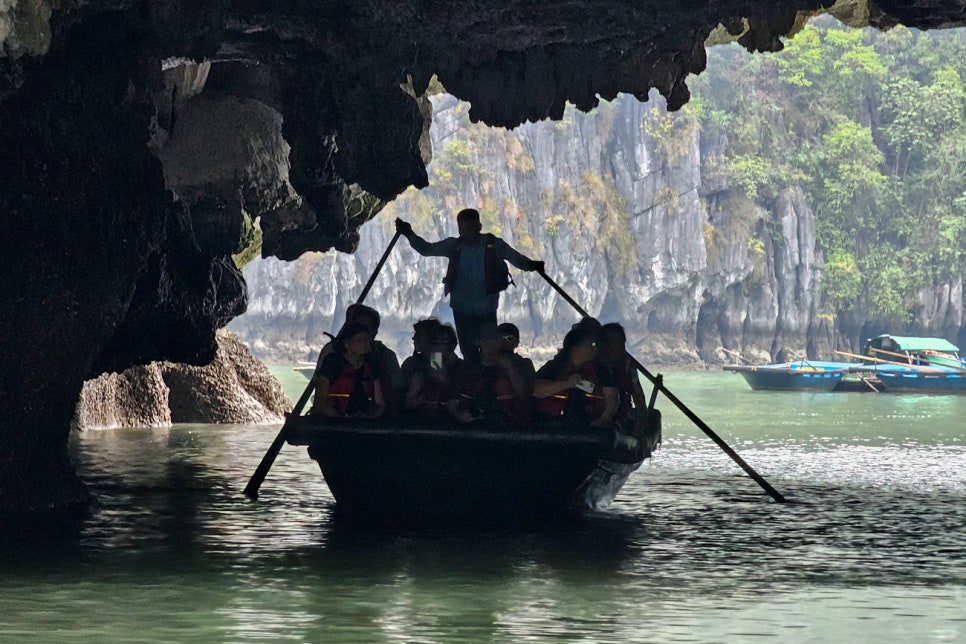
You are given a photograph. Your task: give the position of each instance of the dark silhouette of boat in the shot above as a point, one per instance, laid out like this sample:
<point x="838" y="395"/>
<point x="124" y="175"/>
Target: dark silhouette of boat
<point x="392" y="470"/>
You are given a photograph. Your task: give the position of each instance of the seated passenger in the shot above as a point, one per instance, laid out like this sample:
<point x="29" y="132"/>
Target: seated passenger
<point x="425" y="393"/>
<point x="574" y="385"/>
<point x="612" y="353"/>
<point x="511" y="337"/>
<point x="422" y="345"/>
<point x="494" y="387"/>
<point x="383" y="358"/>
<point x="444" y="343"/>
<point x="589" y="324"/>
<point x="347" y="382"/>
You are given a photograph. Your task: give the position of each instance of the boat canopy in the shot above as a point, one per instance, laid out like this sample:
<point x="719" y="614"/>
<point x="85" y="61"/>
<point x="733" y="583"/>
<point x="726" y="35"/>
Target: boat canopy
<point x="910" y="344"/>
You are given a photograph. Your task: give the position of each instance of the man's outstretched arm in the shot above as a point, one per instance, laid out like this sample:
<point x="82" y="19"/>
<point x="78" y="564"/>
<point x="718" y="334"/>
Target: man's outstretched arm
<point x="509" y="253"/>
<point x="442" y="248"/>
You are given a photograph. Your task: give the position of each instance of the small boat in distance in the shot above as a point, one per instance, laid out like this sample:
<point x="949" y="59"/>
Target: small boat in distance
<point x="804" y="375"/>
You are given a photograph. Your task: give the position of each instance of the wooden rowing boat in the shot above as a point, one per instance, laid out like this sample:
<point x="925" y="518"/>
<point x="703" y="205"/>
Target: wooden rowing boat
<point x="390" y="470"/>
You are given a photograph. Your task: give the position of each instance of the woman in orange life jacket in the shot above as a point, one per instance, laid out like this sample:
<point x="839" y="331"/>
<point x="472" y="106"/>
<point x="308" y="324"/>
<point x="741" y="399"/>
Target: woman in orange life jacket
<point x="612" y="353"/>
<point x="348" y="382"/>
<point x="493" y="387"/>
<point x="575" y="386"/>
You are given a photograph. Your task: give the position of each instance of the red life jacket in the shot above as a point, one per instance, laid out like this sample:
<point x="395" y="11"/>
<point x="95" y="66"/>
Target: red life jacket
<point x="430" y="396"/>
<point x="554" y="406"/>
<point x="517" y="408"/>
<point x="496" y="275"/>
<point x="345" y="384"/>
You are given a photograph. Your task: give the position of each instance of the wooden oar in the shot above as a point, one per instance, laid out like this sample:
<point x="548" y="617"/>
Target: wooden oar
<point x="893" y="362"/>
<point x="737" y="355"/>
<point x="803" y="357"/>
<point x="255" y="482"/>
<point x="658" y="383"/>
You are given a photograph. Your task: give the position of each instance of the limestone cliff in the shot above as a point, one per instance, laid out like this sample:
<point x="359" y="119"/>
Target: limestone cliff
<point x="626" y="208"/>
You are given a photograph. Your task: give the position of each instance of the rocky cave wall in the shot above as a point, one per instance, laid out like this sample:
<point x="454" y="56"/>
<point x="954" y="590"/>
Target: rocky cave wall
<point x="118" y="241"/>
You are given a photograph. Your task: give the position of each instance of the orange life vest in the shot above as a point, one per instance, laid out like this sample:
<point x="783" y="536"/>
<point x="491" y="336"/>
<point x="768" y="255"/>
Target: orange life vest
<point x="517" y="408"/>
<point x="554" y="406"/>
<point x="341" y="390"/>
<point x="431" y="396"/>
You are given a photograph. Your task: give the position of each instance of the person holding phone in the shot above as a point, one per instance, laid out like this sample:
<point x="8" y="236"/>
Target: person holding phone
<point x="575" y="386"/>
<point x="430" y="369"/>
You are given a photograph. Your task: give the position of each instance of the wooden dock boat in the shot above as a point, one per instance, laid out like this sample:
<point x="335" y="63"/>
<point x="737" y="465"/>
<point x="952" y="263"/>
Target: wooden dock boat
<point x="925" y="352"/>
<point x="905" y="364"/>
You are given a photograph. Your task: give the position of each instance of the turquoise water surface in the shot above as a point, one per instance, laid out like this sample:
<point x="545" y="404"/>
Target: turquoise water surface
<point x="870" y="547"/>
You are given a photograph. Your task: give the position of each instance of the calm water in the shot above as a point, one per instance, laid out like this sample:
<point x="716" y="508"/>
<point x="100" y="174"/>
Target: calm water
<point x="871" y="546"/>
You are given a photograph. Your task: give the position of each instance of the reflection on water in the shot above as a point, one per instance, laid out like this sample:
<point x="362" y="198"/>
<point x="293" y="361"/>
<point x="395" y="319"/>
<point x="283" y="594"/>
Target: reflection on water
<point x="871" y="545"/>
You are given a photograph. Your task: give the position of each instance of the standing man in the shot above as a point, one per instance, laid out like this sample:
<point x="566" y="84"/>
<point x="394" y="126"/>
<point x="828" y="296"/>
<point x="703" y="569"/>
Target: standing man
<point x="477" y="273"/>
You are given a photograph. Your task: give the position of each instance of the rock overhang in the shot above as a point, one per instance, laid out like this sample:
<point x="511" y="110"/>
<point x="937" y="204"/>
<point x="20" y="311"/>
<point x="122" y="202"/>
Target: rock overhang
<point x="346" y="82"/>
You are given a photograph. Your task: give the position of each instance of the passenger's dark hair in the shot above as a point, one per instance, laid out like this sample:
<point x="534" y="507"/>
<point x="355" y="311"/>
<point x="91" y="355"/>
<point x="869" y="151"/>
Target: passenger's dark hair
<point x="576" y="337"/>
<point x="613" y="328"/>
<point x="429" y="326"/>
<point x="351" y="330"/>
<point x="509" y="328"/>
<point x="445" y="335"/>
<point x="359" y="312"/>
<point x="586" y="323"/>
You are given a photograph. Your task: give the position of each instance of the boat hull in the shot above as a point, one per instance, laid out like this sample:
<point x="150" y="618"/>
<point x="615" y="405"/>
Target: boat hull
<point x="922" y="383"/>
<point x="392" y="472"/>
<point x="784" y="377"/>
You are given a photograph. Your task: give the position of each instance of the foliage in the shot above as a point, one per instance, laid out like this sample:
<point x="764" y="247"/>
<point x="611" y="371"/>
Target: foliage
<point x="872" y="125"/>
<point x="250" y="241"/>
<point x="841" y="280"/>
<point x="749" y="172"/>
<point x="756" y="252"/>
<point x="888" y="284"/>
<point x="552" y="224"/>
<point x="671" y="133"/>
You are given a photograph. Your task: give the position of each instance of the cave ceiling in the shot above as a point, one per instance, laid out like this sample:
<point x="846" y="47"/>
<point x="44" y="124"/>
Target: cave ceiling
<point x="311" y="115"/>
